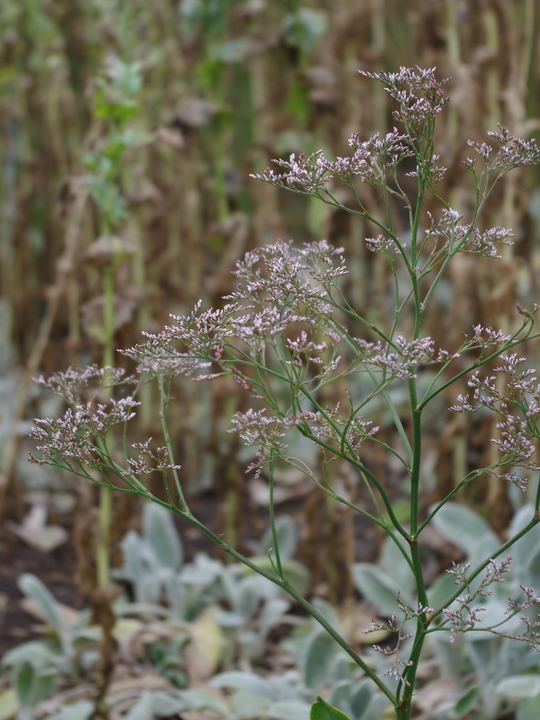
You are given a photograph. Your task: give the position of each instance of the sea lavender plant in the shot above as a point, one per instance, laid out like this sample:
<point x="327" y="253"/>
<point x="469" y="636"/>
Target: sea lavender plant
<point x="288" y="331"/>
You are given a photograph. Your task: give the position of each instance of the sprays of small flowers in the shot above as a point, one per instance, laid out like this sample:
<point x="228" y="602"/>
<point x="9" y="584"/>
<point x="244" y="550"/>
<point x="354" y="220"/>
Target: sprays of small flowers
<point x="285" y="333"/>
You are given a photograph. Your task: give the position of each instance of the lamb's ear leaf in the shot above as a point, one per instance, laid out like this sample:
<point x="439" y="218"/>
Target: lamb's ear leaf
<point x="321" y="710"/>
<point x="33" y="588"/>
<point x="379" y="588"/>
<point x="465" y="528"/>
<point x="160" y="532"/>
<point x="287" y="538"/>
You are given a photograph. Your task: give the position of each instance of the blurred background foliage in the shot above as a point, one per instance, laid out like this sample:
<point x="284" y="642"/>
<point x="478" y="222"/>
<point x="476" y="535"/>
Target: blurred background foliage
<point x="128" y="132"/>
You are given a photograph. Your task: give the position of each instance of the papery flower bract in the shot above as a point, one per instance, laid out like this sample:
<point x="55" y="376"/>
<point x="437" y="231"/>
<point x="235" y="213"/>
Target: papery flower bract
<point x="74" y="384"/>
<point x="418" y="93"/>
<point x="74" y="435"/>
<point x="255" y="428"/>
<point x="513" y="152"/>
<point x="142" y="465"/>
<point x="515" y="444"/>
<point x="303" y="174"/>
<point x="493" y="337"/>
<point x="289" y="277"/>
<point x="201" y="334"/>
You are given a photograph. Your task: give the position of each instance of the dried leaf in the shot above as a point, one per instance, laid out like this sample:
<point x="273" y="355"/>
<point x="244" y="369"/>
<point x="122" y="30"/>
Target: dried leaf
<point x="35" y="532"/>
<point x="171" y="136"/>
<point x="205" y="650"/>
<point x="92" y="314"/>
<point x="107" y="249"/>
<point x="354" y="619"/>
<point x="193" y="113"/>
<point x="9" y="705"/>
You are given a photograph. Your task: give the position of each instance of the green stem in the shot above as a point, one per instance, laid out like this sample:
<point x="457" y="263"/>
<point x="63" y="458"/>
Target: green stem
<point x="483" y="565"/>
<point x="105" y="493"/>
<point x="474" y="366"/>
<point x="103" y="542"/>
<point x="279" y="568"/>
<point x="290" y="590"/>
<point x="163" y="418"/>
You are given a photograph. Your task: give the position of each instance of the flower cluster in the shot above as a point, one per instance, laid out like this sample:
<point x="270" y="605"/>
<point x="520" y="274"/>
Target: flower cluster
<point x="371" y="162"/>
<point x="73" y="436"/>
<point x="201" y="333"/>
<point x="398" y="627"/>
<point x="531" y="634"/>
<point x="466" y="238"/>
<point x="75" y="384"/>
<point x="331" y="425"/>
<point x="303" y="174"/>
<point x="418" y="93"/>
<point x="513" y="152"/>
<point x="467" y="615"/>
<point x="520" y="396"/>
<point x="486" y="337"/>
<point x="267" y="433"/>
<point x="148" y="460"/>
<point x="282" y="276"/>
<point x="381" y="244"/>
<point x="278" y="286"/>
<point x="402" y="358"/>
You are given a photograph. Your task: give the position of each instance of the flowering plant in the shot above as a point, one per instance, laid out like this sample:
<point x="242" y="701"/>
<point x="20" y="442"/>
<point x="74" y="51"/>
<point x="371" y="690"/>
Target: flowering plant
<point x="284" y="335"/>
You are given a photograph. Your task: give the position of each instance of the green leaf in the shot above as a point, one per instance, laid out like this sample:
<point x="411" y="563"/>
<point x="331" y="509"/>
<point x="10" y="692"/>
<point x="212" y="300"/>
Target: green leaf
<point x="243" y="680"/>
<point x="24" y="681"/>
<point x="319" y="656"/>
<point x="289" y="710"/>
<point x="113" y="111"/>
<point x="467" y="701"/>
<point x="271" y="614"/>
<point x="34" y="651"/>
<point x="143" y="708"/>
<point x="442" y="589"/>
<point x="526" y="551"/>
<point x="520" y="686"/>
<point x="361" y="698"/>
<point x="159" y="530"/>
<point x="379" y="588"/>
<point x="287" y="537"/>
<point x="250" y="705"/>
<point x="231" y="51"/>
<point x="393" y="562"/>
<point x="202" y="700"/>
<point x="168" y="704"/>
<point x="33" y="686"/>
<point x="33" y="588"/>
<point x="296" y="573"/>
<point x="328" y="612"/>
<point x="528" y="709"/>
<point x="321" y="710"/>
<point x="464" y="528"/>
<point x="76" y="711"/>
<point x="303" y="28"/>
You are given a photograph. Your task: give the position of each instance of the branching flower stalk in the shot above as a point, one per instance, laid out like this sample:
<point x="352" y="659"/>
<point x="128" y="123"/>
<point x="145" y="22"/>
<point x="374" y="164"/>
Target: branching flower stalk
<point x="281" y="338"/>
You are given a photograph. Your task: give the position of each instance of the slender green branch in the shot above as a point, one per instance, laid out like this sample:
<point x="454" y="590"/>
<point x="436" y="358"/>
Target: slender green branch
<point x="279" y="568"/>
<point x="164" y="426"/>
<point x="483" y="565"/>
<point x="285" y="585"/>
<point x="474" y="366"/>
